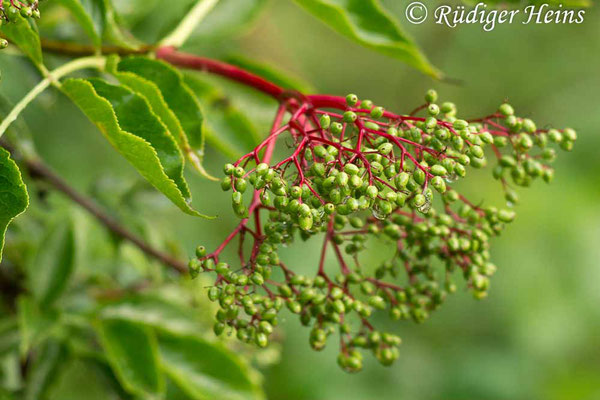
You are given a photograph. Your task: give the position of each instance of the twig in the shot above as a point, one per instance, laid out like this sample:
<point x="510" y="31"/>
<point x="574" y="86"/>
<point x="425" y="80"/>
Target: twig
<point x="38" y="169"/>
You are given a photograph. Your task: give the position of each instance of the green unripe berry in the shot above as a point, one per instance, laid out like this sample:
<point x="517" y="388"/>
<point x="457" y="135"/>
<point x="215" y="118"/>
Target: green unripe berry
<point x="351" y="100"/>
<point x="325" y="121"/>
<point x="506" y="109"/>
<point x="431" y="96"/>
<point x="349" y="116"/>
<point x="377" y="112"/>
<point x="438" y="170"/>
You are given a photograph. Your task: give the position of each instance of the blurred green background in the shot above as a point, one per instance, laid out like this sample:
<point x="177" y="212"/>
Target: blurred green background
<point x="537" y="336"/>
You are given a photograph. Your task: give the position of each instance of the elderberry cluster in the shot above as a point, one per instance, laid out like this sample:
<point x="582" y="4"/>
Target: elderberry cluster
<point x="9" y="9"/>
<point x="359" y="176"/>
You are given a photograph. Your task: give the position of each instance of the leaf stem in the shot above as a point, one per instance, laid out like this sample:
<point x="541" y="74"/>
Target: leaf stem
<point x="185" y="28"/>
<point x="51" y="78"/>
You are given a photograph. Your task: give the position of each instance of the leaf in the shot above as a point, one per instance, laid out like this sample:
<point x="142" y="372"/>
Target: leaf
<point x="229" y="17"/>
<point x="227" y="128"/>
<point x="177" y="94"/>
<point x="368" y="24"/>
<point x="265" y="70"/>
<point x="21" y="32"/>
<point x="9" y="335"/>
<point x="53" y="264"/>
<point x="35" y="326"/>
<point x="132" y="352"/>
<point x="170" y="99"/>
<point x="128" y="123"/>
<point x="112" y="30"/>
<point x="156" y="313"/>
<point x="13" y="194"/>
<point x="84" y="379"/>
<point x="45" y="368"/>
<point x="205" y="370"/>
<point x="91" y="15"/>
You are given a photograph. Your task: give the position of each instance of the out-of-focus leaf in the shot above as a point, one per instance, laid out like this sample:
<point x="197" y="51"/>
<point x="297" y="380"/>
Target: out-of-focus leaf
<point x="129" y="124"/>
<point x="156" y="313"/>
<point x="91" y="15"/>
<point x="229" y="17"/>
<point x="113" y="30"/>
<point x="9" y="335"/>
<point x="170" y="99"/>
<point x="35" y="326"/>
<point x="84" y="379"/>
<point x="205" y="370"/>
<point x="276" y="76"/>
<point x="21" y="32"/>
<point x="53" y="265"/>
<point x="227" y="128"/>
<point x="368" y="24"/>
<point x="13" y="194"/>
<point x="44" y="370"/>
<point x="132" y="352"/>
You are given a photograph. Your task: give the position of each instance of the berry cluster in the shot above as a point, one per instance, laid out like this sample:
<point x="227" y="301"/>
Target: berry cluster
<point x="9" y="9"/>
<point x="356" y="173"/>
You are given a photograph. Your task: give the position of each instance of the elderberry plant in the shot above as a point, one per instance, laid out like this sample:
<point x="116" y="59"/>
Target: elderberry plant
<point x="362" y="173"/>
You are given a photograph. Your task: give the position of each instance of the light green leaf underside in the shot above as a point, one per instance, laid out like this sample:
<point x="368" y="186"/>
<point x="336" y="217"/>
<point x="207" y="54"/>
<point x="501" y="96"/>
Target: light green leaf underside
<point x="368" y="24"/>
<point x="132" y="352"/>
<point x="126" y="120"/>
<point x="21" y="32"/>
<point x="227" y="128"/>
<point x="53" y="264"/>
<point x="204" y="370"/>
<point x="13" y="194"/>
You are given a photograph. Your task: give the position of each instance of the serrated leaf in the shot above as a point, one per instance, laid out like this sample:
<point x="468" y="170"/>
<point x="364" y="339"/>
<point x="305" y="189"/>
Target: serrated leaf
<point x="156" y="313"/>
<point x="21" y="31"/>
<point x="13" y="194"/>
<point x="91" y="15"/>
<point x="44" y="369"/>
<point x="368" y="24"/>
<point x="53" y="265"/>
<point x="205" y="370"/>
<point x="229" y="17"/>
<point x="170" y="99"/>
<point x="132" y="352"/>
<point x="227" y="128"/>
<point x="177" y="95"/>
<point x="128" y="123"/>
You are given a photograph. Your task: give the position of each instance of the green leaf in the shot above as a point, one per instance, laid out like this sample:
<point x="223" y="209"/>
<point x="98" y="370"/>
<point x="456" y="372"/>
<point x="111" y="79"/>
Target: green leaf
<point x="35" y="326"/>
<point x="170" y="99"/>
<point x="112" y="29"/>
<point x="13" y="194"/>
<point x="22" y="32"/>
<point x="129" y="124"/>
<point x="54" y="263"/>
<point x="84" y="379"/>
<point x="91" y="15"/>
<point x="9" y="335"/>
<point x="229" y="17"/>
<point x="227" y="128"/>
<point x="43" y="371"/>
<point x="368" y="24"/>
<point x="132" y="353"/>
<point x="205" y="370"/>
<point x="176" y="93"/>
<point x="265" y="70"/>
<point x="155" y="312"/>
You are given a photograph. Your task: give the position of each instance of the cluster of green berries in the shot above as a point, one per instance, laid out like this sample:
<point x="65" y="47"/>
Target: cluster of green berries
<point x="9" y="9"/>
<point x="369" y="174"/>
